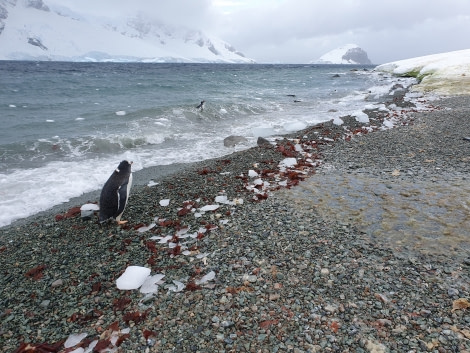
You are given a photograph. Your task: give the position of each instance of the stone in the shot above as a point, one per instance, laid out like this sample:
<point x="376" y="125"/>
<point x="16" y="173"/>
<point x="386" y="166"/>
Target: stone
<point x="232" y="140"/>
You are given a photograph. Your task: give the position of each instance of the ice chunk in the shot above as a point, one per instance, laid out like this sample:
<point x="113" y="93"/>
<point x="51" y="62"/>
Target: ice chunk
<point x="178" y="287"/>
<point x="209" y="208"/>
<point x="121" y="112"/>
<point x="78" y="350"/>
<point x="164" y="202"/>
<point x="152" y="183"/>
<point x="133" y="277"/>
<point x="90" y="207"/>
<point x="150" y="285"/>
<point x="74" y="339"/>
<point x="144" y="229"/>
<point x="288" y="162"/>
<point x="252" y="173"/>
<point x="221" y="199"/>
<point x="206" y="278"/>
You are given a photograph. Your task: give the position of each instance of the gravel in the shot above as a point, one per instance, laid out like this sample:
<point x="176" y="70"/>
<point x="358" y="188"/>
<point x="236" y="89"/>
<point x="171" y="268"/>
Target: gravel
<point x="290" y="276"/>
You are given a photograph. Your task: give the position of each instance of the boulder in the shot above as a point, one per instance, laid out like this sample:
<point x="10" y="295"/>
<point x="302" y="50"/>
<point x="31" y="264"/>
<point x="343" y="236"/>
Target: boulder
<point x="232" y="141"/>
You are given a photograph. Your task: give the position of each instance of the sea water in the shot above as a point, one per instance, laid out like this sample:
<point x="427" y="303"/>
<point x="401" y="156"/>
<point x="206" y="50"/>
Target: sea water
<point x="66" y="126"/>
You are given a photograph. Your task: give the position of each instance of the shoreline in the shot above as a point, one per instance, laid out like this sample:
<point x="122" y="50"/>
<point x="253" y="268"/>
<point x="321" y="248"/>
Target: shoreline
<point x="286" y="278"/>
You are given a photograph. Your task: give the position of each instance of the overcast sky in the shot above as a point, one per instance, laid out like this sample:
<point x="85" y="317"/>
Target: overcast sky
<point x="299" y="31"/>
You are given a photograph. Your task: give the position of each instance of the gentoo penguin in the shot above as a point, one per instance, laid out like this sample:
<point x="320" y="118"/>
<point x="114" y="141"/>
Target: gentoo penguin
<point x="115" y="193"/>
<point x="201" y="106"/>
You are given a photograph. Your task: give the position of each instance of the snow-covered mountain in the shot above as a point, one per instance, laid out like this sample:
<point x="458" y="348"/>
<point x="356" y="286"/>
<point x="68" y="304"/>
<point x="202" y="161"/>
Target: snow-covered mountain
<point x="36" y="30"/>
<point x="347" y="54"/>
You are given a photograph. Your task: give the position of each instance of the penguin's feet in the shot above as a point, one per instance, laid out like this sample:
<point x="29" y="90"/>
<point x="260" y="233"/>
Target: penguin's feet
<point x="122" y="222"/>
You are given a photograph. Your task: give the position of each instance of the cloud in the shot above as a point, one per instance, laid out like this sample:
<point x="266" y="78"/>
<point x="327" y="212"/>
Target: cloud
<point x="303" y="30"/>
<point x="310" y="27"/>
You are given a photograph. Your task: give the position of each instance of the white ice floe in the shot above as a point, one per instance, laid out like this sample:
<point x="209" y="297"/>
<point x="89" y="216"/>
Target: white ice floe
<point x="206" y="278"/>
<point x="121" y="112"/>
<point x="133" y="277"/>
<point x="252" y="173"/>
<point x="164" y="202"/>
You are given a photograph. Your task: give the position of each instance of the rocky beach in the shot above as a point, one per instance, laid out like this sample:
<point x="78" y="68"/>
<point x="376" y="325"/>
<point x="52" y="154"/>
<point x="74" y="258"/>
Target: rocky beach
<point x="253" y="260"/>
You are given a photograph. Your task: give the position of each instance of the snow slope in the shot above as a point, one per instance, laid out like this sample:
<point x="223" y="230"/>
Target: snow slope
<point x="445" y="73"/>
<point x="347" y="54"/>
<point x="34" y="30"/>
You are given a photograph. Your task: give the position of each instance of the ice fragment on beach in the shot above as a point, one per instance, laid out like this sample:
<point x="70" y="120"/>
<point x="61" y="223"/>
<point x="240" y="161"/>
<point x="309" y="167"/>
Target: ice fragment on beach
<point x="164" y="202"/>
<point x="152" y="183"/>
<point x="86" y="211"/>
<point x="80" y="350"/>
<point x="74" y="339"/>
<point x="178" y="287"/>
<point x="133" y="277"/>
<point x="206" y="278"/>
<point x="151" y="283"/>
<point x="209" y="208"/>
<point x="252" y="173"/>
<point x="144" y="229"/>
<point x="180" y="233"/>
<point x="162" y="240"/>
<point x="121" y="112"/>
<point x="90" y="207"/>
<point x="288" y="163"/>
<point x="221" y="199"/>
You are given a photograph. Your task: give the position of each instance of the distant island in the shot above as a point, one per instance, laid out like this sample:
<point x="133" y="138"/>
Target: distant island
<point x="348" y="54"/>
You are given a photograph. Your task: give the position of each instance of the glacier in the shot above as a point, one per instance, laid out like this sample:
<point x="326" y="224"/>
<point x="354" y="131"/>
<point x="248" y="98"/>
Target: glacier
<point x="36" y="30"/>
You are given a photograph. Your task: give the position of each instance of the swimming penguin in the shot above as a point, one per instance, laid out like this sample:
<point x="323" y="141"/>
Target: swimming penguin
<point x="115" y="193"/>
<point x="201" y="106"/>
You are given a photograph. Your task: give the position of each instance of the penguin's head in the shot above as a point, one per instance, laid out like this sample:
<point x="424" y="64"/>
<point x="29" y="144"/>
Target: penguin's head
<point x="124" y="166"/>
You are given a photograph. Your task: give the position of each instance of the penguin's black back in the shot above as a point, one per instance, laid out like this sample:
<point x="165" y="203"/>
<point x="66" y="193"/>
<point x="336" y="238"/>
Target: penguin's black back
<point x="113" y="196"/>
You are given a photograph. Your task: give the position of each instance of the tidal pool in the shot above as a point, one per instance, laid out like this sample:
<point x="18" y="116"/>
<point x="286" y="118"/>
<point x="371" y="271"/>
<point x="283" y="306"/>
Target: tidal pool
<point x="429" y="216"/>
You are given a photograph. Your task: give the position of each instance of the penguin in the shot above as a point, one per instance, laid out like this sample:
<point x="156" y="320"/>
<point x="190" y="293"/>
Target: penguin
<point x="115" y="193"/>
<point x="201" y="106"/>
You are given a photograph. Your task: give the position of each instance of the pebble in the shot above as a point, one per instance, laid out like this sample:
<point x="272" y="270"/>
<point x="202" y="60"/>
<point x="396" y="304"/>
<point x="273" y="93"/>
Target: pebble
<point x="286" y="278"/>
